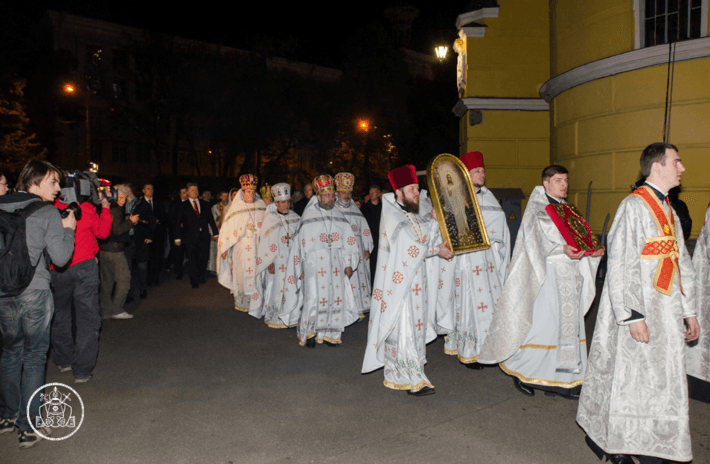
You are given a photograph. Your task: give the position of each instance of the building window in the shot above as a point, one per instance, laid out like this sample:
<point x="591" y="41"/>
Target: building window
<point x="667" y="21"/>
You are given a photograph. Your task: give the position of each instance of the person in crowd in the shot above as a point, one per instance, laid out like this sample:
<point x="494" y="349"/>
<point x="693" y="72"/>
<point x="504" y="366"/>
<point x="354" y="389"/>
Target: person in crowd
<point x="218" y="212"/>
<point x="398" y="330"/>
<point x="77" y="283"/>
<point x="323" y="259"/>
<point x="25" y="318"/>
<point x="277" y="237"/>
<point x="195" y="227"/>
<point x="113" y="266"/>
<point x="176" y="256"/>
<point x="240" y="241"/>
<point x="635" y="396"/>
<point x="143" y="236"/>
<point x="3" y="184"/>
<point x="537" y="332"/>
<point x="372" y="210"/>
<point x="300" y="206"/>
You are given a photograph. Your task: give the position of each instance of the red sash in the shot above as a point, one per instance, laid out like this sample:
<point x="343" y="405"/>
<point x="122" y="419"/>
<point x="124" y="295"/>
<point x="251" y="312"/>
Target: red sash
<point x="663" y="248"/>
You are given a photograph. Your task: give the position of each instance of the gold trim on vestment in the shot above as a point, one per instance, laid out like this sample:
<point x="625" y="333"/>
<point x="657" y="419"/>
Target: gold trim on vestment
<point x="451" y="352"/>
<point x="330" y="340"/>
<point x="547" y="383"/>
<point x="310" y="335"/>
<point x="546" y="347"/>
<point x="244" y="310"/>
<point x="468" y="360"/>
<point x="276" y="326"/>
<point x="362" y="316"/>
<point x="408" y="386"/>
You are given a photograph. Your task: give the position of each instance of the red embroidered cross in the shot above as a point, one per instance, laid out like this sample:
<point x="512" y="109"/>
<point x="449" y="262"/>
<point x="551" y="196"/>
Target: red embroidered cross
<point x="338" y="301"/>
<point x="482" y="307"/>
<point x="323" y="302"/>
<point x="419" y="325"/>
<point x="282" y="268"/>
<point x="363" y="286"/>
<point x="249" y="271"/>
<point x="443" y="269"/>
<point x="404" y="264"/>
<point x="495" y="287"/>
<point x="491" y="267"/>
<point x="389" y="292"/>
<point x="418" y="307"/>
<point x="248" y="248"/>
<point x="323" y="287"/>
<point x="321" y="272"/>
<point x="477" y="270"/>
<point x="416" y="289"/>
<point x="336" y="272"/>
<point x="321" y="258"/>
<point x="313" y="239"/>
<point x="480" y="290"/>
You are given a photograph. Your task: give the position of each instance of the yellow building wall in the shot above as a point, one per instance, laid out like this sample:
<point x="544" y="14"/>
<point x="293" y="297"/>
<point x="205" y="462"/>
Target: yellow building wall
<point x="511" y="61"/>
<point x="582" y="31"/>
<point x="600" y="128"/>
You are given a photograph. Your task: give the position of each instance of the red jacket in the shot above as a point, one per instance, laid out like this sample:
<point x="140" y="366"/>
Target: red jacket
<point x="88" y="229"/>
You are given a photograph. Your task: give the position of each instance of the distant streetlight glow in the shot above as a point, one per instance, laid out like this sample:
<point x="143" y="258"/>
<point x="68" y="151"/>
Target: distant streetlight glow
<point x="364" y="125"/>
<point x="441" y="51"/>
<point x="69" y="88"/>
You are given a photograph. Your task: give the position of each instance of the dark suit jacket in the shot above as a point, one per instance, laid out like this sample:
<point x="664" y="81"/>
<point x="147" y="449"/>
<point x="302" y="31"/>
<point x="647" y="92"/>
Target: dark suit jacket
<point x="190" y="229"/>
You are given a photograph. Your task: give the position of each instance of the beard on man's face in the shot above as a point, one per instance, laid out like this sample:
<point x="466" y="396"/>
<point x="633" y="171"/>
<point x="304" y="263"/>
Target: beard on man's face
<point x="411" y="206"/>
<point x="326" y="206"/>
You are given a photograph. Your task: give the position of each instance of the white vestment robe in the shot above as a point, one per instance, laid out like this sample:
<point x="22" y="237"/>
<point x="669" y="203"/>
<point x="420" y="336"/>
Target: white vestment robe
<point x="697" y="354"/>
<point x="635" y="395"/>
<point x="537" y="332"/>
<point x="318" y="294"/>
<point x="360" y="281"/>
<point x="478" y="281"/>
<point x="277" y="237"/>
<point x="239" y="237"/>
<point x="398" y="329"/>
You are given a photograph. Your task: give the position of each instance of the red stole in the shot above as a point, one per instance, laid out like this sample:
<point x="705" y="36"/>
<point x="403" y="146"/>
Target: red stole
<point x="664" y="248"/>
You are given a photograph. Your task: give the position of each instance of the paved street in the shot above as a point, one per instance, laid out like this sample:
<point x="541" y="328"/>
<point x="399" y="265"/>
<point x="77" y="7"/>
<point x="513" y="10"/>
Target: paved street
<point x="190" y="380"/>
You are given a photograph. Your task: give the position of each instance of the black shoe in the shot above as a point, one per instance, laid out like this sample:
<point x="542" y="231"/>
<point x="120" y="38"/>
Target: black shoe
<point x="613" y="458"/>
<point x="332" y="344"/>
<point x="195" y="285"/>
<point x="311" y="342"/>
<point x="203" y="280"/>
<point x="524" y="389"/>
<point x="144" y="294"/>
<point x="475" y="366"/>
<point x="129" y="300"/>
<point x="423" y="392"/>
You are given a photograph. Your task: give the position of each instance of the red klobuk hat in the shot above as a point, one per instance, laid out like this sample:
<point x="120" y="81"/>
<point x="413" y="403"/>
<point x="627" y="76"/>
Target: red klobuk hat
<point x="403" y="176"/>
<point x="473" y="160"/>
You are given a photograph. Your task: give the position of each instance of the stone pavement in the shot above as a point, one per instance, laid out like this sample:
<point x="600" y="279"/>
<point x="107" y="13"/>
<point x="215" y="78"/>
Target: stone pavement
<point x="190" y="380"/>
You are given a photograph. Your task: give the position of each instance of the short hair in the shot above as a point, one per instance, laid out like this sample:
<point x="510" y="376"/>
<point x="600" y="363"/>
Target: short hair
<point x="553" y="169"/>
<point x="373" y="186"/>
<point x="34" y="172"/>
<point x="147" y="184"/>
<point x="654" y="153"/>
<point x="124" y="189"/>
<point x="191" y="184"/>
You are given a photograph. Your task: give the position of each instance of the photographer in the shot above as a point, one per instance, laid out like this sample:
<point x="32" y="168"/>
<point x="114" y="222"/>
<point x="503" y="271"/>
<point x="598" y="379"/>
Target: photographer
<point x="25" y="318"/>
<point x="78" y="282"/>
<point x="143" y="237"/>
<point x="112" y="260"/>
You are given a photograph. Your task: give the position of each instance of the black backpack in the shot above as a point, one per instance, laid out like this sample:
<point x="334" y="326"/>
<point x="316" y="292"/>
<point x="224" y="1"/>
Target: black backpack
<point x="16" y="270"/>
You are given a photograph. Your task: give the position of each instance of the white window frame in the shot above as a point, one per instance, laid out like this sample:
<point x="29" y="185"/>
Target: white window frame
<point x="640" y="18"/>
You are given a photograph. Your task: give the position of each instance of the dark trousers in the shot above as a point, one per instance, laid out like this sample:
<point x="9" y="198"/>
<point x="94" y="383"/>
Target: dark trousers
<point x="176" y="256"/>
<point x="155" y="262"/>
<point x="78" y="284"/>
<point x="24" y="323"/>
<point x="197" y="256"/>
<point x="114" y="272"/>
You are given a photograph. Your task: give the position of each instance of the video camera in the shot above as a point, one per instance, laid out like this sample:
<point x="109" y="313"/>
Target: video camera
<point x="80" y="187"/>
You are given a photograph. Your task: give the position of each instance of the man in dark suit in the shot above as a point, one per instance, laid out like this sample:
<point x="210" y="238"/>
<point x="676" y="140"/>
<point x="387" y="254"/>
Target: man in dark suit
<point x="193" y="231"/>
<point x="143" y="236"/>
<point x="176" y="257"/>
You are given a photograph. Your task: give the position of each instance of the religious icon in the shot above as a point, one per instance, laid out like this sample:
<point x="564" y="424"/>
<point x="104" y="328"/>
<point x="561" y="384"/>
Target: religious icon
<point x="456" y="205"/>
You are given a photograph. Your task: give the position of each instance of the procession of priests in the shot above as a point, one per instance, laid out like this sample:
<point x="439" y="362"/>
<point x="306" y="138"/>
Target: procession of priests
<point x="522" y="312"/>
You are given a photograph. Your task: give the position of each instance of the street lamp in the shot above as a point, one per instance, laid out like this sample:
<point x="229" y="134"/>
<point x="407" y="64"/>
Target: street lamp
<point x="363" y="125"/>
<point x="441" y="51"/>
<point x="70" y="89"/>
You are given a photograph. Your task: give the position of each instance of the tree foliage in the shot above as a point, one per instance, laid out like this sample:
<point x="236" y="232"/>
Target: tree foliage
<point x="17" y="143"/>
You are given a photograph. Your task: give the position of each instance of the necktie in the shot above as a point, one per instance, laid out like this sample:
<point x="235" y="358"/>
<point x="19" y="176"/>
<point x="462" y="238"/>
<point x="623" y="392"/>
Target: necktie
<point x="197" y="210"/>
<point x="150" y="202"/>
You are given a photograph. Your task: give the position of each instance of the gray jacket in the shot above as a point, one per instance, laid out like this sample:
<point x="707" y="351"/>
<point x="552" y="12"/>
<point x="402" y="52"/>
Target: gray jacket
<point x="44" y="230"/>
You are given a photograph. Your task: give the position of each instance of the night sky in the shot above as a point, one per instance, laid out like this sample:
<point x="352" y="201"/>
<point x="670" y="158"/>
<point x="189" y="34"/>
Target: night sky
<point x="318" y="33"/>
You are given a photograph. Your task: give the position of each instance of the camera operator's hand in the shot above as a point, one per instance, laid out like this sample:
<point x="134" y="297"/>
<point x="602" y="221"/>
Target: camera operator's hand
<point x="148" y="240"/>
<point x="69" y="221"/>
<point x="134" y="218"/>
<point x="105" y="203"/>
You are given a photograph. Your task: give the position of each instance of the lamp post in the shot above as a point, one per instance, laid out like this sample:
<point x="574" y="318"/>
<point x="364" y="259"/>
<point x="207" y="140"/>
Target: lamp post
<point x="71" y="89"/>
<point x="441" y="51"/>
<point x="363" y="126"/>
